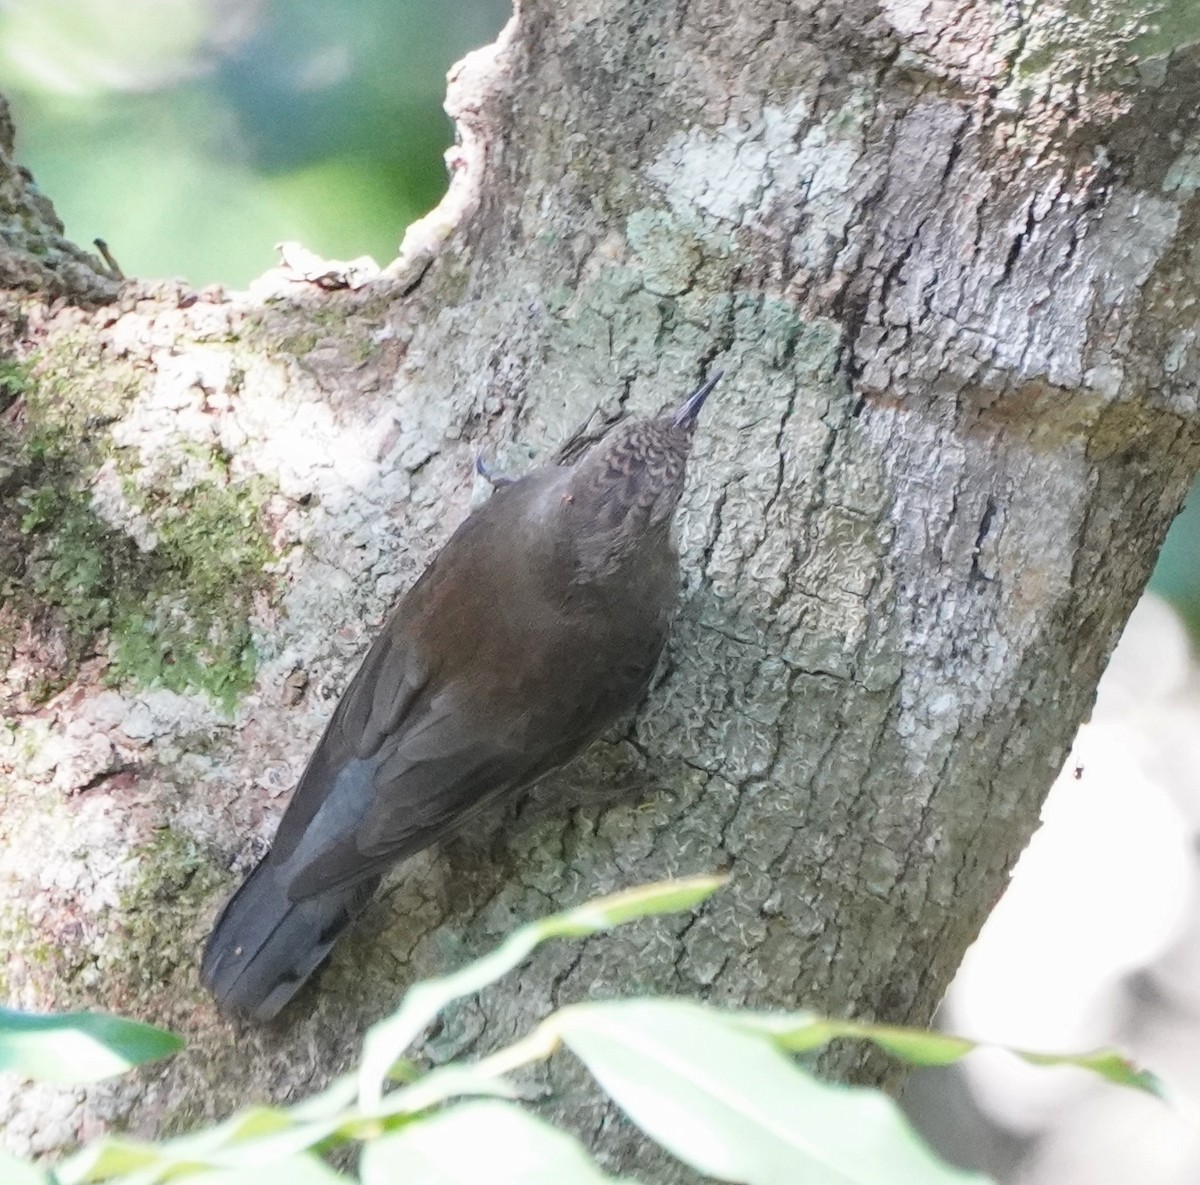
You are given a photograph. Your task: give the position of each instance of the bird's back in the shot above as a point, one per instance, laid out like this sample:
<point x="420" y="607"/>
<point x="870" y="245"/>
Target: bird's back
<point x="494" y="669"/>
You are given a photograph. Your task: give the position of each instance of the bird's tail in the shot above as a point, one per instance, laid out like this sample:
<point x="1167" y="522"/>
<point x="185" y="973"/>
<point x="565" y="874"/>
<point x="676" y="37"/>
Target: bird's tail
<point x="264" y="946"/>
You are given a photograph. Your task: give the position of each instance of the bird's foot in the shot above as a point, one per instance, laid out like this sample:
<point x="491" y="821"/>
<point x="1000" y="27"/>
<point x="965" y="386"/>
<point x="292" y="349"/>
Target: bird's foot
<point x="494" y="479"/>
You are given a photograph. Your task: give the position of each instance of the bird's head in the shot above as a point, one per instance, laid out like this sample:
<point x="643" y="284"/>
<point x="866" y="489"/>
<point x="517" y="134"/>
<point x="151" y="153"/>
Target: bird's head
<point x="627" y="486"/>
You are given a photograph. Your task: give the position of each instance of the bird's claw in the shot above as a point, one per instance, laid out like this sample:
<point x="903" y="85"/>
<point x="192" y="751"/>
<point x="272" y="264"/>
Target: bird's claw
<point x="494" y="479"/>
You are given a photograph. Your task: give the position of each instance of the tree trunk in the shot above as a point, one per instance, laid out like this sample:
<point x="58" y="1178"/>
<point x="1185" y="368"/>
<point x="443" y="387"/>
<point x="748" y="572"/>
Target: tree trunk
<point x="945" y="253"/>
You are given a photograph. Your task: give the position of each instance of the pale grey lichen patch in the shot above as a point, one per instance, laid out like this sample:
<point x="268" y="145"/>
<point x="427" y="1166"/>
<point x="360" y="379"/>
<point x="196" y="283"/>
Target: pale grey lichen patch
<point x="109" y="499"/>
<point x="827" y="156"/>
<point x="605" y="334"/>
<point x="39" y="1119"/>
<point x="260" y="418"/>
<point x="977" y="294"/>
<point x="669" y="254"/>
<point x="158" y="712"/>
<point x="972" y="42"/>
<point x="1183" y="175"/>
<point x="1132" y="235"/>
<point x="745" y="173"/>
<point x="728" y="174"/>
<point x="993" y="566"/>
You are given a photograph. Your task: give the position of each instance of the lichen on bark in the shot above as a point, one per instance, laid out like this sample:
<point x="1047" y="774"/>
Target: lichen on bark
<point x="155" y="563"/>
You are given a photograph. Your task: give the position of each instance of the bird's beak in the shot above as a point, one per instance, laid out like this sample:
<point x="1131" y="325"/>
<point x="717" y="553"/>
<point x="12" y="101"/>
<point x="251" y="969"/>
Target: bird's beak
<point x="695" y="401"/>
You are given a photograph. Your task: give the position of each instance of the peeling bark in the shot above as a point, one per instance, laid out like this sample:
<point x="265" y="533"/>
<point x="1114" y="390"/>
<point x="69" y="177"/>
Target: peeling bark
<point x="945" y="254"/>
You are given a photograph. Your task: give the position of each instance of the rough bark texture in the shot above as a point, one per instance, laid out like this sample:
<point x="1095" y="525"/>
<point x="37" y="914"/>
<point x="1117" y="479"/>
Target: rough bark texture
<point x="945" y="252"/>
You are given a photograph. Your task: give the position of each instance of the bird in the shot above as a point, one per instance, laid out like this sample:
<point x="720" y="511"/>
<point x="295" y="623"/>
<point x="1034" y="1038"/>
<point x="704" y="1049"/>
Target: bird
<point x="538" y="624"/>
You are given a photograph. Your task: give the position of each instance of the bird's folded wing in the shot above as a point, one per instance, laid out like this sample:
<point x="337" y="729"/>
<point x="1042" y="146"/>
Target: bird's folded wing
<point x="425" y="780"/>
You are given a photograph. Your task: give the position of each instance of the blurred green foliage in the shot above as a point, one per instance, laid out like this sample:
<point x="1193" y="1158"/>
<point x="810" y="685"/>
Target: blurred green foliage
<point x="717" y="1088"/>
<point x="193" y="135"/>
<point x="1177" y="574"/>
<point x="177" y="612"/>
<point x="74" y="1047"/>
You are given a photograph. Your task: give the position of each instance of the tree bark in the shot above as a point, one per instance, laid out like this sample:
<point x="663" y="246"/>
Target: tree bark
<point x="945" y="253"/>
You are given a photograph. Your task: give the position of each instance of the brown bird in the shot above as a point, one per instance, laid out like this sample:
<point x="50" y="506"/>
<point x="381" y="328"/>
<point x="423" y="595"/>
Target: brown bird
<point x="538" y="624"/>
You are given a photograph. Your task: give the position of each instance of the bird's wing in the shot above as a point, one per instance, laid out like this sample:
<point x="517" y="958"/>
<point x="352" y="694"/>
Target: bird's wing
<point x="425" y="779"/>
<point x="448" y="760"/>
<point x="426" y="732"/>
<point x="406" y="756"/>
<point x="382" y="692"/>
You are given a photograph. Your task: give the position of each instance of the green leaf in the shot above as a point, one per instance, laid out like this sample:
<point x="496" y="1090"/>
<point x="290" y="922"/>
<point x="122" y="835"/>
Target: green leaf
<point x="918" y="1047"/>
<point x="295" y="1170"/>
<point x="801" y="1032"/>
<point x="727" y="1102"/>
<point x="448" y="1082"/>
<point x="797" y="1032"/>
<point x="479" y="1141"/>
<point x="388" y="1039"/>
<point x="327" y="1103"/>
<point x="257" y="1135"/>
<point x="257" y="1138"/>
<point x="77" y="1046"/>
<point x="19" y="1172"/>
<point x="111" y="1156"/>
<point x="1108" y="1063"/>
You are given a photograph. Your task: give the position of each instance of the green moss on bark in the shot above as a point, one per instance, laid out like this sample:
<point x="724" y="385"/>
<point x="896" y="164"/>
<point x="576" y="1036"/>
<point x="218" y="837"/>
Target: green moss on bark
<point x="175" y="881"/>
<point x="173" y="611"/>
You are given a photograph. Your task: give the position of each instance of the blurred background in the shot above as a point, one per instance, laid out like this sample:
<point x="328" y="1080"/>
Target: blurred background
<point x="193" y="135"/>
